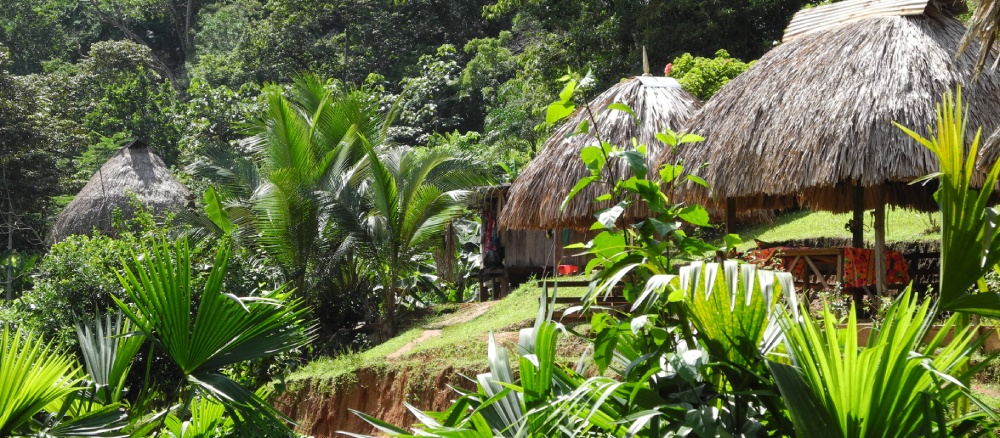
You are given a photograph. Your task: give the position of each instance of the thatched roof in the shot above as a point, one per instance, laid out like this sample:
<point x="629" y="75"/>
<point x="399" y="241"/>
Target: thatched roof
<point x="536" y="195"/>
<point x="814" y="116"/>
<point x="134" y="169"/>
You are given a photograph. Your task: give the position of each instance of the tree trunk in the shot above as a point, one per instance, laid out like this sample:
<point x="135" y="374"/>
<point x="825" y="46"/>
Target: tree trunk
<point x="385" y="327"/>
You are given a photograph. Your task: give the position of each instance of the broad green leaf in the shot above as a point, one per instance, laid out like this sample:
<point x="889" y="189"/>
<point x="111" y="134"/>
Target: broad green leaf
<point x="567" y="92"/>
<point x="691" y="138"/>
<point x="216" y="212"/>
<point x="608" y="245"/>
<point x="636" y="162"/>
<point x="605" y="340"/>
<point x="668" y="137"/>
<point x="670" y="172"/>
<point x="698" y="180"/>
<point x="558" y="111"/>
<point x="593" y="157"/>
<point x="732" y="240"/>
<point x="609" y="217"/>
<point x="695" y="215"/>
<point x="580" y="185"/>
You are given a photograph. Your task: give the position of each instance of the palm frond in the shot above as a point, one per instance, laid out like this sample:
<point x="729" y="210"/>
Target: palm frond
<point x="982" y="26"/>
<point x="968" y="223"/>
<point x="846" y="389"/>
<point x="33" y="374"/>
<point x="226" y="329"/>
<point x="108" y="346"/>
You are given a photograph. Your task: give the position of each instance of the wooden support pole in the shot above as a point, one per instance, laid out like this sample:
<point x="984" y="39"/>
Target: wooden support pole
<point x="880" y="267"/>
<point x="730" y="215"/>
<point x="858" y="231"/>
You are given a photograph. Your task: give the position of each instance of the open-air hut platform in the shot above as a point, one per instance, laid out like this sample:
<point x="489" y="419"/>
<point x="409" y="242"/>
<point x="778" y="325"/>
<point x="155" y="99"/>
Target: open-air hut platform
<point x="813" y="118"/>
<point x="135" y="170"/>
<point x="811" y="123"/>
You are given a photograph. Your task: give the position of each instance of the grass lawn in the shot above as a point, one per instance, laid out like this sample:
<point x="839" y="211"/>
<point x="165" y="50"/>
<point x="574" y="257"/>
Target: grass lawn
<point x="463" y="343"/>
<point x="901" y="225"/>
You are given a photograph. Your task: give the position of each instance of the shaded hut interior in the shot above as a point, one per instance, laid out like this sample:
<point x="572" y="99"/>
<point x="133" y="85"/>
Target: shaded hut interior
<point x="511" y="257"/>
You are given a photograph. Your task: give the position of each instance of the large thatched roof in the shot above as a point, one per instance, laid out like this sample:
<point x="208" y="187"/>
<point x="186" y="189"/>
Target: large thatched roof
<point x="134" y="169"/>
<point x="536" y="195"/>
<point x="814" y="116"/>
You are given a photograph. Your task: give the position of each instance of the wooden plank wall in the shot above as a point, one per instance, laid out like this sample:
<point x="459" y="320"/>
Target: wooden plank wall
<point x="532" y="248"/>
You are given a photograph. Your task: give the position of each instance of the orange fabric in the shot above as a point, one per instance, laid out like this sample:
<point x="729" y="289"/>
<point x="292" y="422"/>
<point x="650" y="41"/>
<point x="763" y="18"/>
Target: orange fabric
<point x="859" y="265"/>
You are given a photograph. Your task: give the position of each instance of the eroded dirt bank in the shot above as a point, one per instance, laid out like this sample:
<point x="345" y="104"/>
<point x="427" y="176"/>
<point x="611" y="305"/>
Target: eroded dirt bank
<point x="321" y="409"/>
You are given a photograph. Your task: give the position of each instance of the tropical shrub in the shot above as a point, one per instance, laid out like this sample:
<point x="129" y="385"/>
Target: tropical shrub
<point x="75" y="279"/>
<point x="896" y="385"/>
<point x="704" y="77"/>
<point x="45" y="392"/>
<point x="343" y="216"/>
<point x="218" y="329"/>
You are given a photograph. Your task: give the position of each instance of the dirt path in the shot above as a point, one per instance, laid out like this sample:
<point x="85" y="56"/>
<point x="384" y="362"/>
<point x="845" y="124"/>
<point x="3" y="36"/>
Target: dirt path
<point x="466" y="313"/>
<point x="427" y="334"/>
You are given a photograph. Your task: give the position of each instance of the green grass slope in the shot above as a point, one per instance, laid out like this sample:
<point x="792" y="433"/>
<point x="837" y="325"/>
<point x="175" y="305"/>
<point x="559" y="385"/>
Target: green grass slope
<point x="901" y="225"/>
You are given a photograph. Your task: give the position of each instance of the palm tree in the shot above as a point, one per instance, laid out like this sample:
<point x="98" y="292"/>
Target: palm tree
<point x="408" y="198"/>
<point x="318" y="187"/>
<point x="276" y="189"/>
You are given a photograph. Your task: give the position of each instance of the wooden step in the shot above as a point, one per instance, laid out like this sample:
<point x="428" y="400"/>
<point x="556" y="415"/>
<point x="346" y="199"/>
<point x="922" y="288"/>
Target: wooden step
<point x="563" y="283"/>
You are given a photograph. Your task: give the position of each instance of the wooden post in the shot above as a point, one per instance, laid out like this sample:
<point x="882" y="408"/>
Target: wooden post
<point x="730" y="215"/>
<point x="858" y="231"/>
<point x="880" y="268"/>
<point x="557" y="240"/>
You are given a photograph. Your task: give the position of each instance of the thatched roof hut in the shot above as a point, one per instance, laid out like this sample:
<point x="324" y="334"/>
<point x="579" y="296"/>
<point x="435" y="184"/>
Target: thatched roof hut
<point x="812" y="119"/>
<point x="135" y="169"/>
<point x="537" y="194"/>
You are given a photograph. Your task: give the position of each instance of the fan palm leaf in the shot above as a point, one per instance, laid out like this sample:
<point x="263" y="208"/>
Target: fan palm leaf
<point x="222" y="330"/>
<point x="33" y="374"/>
<point x="108" y="350"/>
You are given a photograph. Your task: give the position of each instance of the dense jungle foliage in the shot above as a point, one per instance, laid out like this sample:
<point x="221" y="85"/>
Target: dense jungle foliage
<point x="80" y="79"/>
<point x="329" y="145"/>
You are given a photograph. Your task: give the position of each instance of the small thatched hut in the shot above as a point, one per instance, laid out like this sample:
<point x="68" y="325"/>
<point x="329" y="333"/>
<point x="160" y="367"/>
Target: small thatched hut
<point x="537" y="194"/>
<point x="811" y="121"/>
<point x="135" y="169"/>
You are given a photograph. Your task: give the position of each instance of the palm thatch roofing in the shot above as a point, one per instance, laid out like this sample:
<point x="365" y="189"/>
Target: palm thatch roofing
<point x="813" y="117"/>
<point x="135" y="170"/>
<point x="539" y="191"/>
